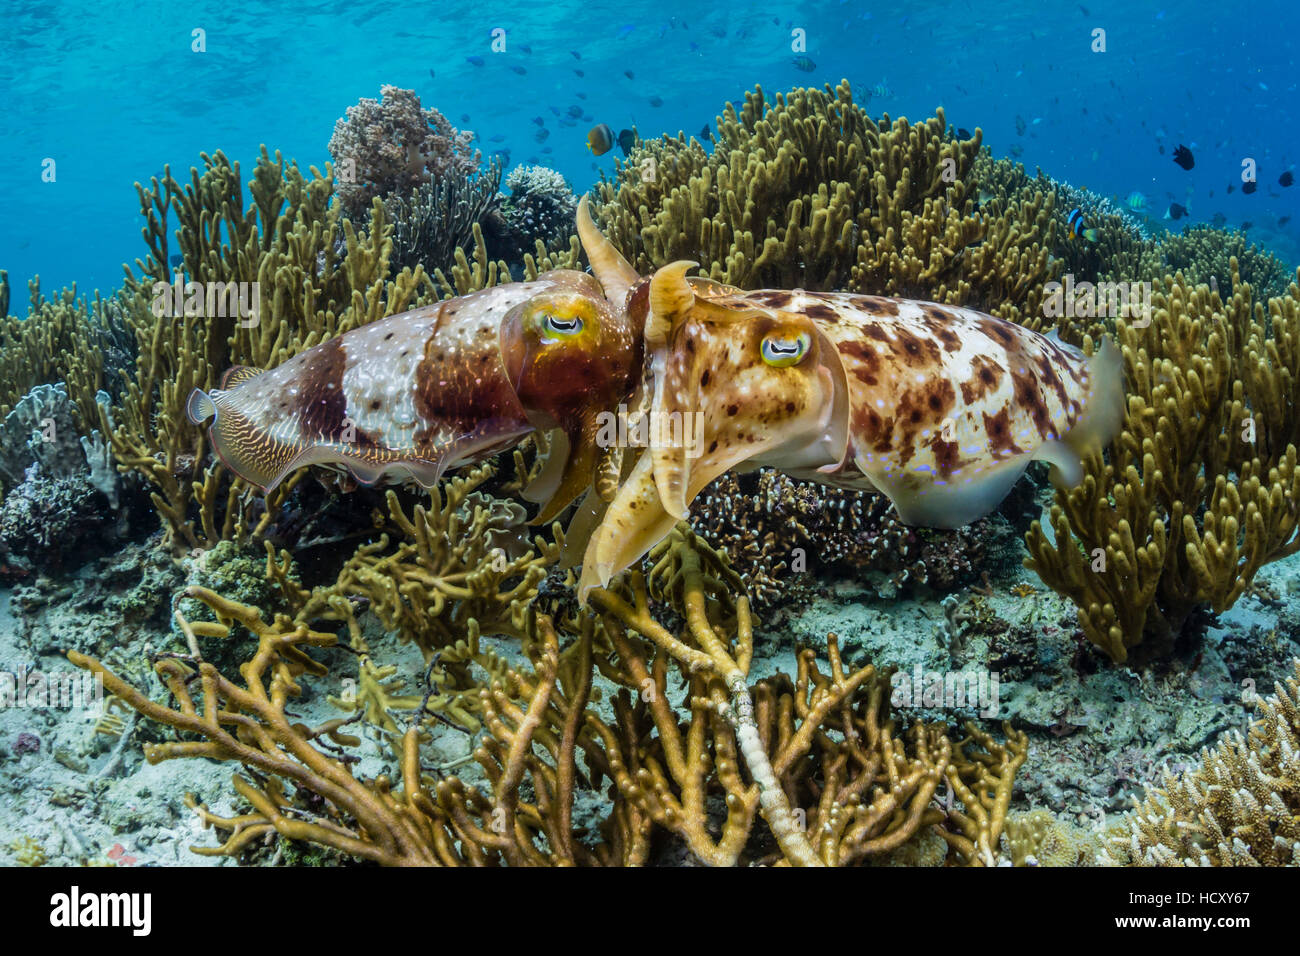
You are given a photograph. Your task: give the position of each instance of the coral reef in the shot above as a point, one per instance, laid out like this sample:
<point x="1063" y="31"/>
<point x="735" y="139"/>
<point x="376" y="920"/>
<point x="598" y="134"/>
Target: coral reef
<point x="431" y="222"/>
<point x="393" y="146"/>
<point x="808" y="191"/>
<point x="540" y="208"/>
<point x="1239" y="807"/>
<point x="774" y="527"/>
<point x="815" y="755"/>
<point x="1204" y="254"/>
<point x="1199" y="490"/>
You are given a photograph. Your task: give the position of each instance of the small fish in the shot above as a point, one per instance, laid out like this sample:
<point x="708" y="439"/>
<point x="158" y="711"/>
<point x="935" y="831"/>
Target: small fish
<point x="175" y="259"/>
<point x="804" y="64"/>
<point x="881" y="91"/>
<point x="1231" y="187"/>
<point x="1183" y="157"/>
<point x="1249" y="187"/>
<point x="541" y="135"/>
<point x="626" y="140"/>
<point x="600" y="139"/>
<point x="624" y="31"/>
<point x="1219" y="220"/>
<point x="1286" y="179"/>
<point x="1136" y="201"/>
<point x="581" y="96"/>
<point x="519" y="69"/>
<point x="464" y="117"/>
<point x="656" y="102"/>
<point x="475" y="60"/>
<point x="526" y="49"/>
<point x="1020" y="125"/>
<point x="547" y="150"/>
<point x="539" y="121"/>
<point x="575" y="111"/>
<point x="1016" y="151"/>
<point x="1246" y="225"/>
<point x="1078" y="228"/>
<point x="555" y="110"/>
<point x="706" y="134"/>
<point x="579" y="72"/>
<point x="575" y="54"/>
<point x="432" y="75"/>
<point x="986" y="197"/>
<point x="1283" y="220"/>
<point x="963" y="132"/>
<point x="497" y="139"/>
<point x="629" y="74"/>
<point x="1175" y="211"/>
<point x="1162" y="150"/>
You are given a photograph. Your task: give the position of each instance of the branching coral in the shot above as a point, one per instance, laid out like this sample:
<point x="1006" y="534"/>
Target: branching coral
<point x="1203" y="253"/>
<point x="1200" y="488"/>
<point x="808" y="191"/>
<point x="816" y="756"/>
<point x="1240" y="807"/>
<point x="430" y="223"/>
<point x="393" y="146"/>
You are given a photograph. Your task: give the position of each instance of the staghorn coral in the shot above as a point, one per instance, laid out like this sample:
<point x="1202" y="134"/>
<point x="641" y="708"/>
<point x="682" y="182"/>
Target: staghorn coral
<point x="1240" y="807"/>
<point x="393" y="146"/>
<point x="808" y="191"/>
<point x="1200" y="488"/>
<point x="816" y="755"/>
<point x="771" y="524"/>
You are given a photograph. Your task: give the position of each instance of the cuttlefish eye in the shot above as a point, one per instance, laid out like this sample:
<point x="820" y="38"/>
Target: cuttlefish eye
<point x="560" y="326"/>
<point x="781" y="350"/>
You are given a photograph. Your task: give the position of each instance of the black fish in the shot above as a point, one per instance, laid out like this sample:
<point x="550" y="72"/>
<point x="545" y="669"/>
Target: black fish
<point x="464" y="117"/>
<point x="1286" y="179"/>
<point x="575" y="111"/>
<point x="656" y="102"/>
<point x="519" y="69"/>
<point x="1231" y="187"/>
<point x="1249" y="187"/>
<point x="576" y="54"/>
<point x="1183" y="157"/>
<point x="705" y="133"/>
<point x="527" y="49"/>
<point x="432" y="75"/>
<point x="175" y="259"/>
<point x="541" y="135"/>
<point x="626" y="140"/>
<point x="1246" y="225"/>
<point x="581" y="96"/>
<point x="1283" y="220"/>
<point x="1175" y="211"/>
<point x="629" y="74"/>
<point x="539" y="121"/>
<point x="476" y="60"/>
<point x="579" y="72"/>
<point x="963" y="132"/>
<point x="1162" y="150"/>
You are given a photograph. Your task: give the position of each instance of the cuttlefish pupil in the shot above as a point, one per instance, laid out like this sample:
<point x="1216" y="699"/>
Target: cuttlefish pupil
<point x="783" y="352"/>
<point x="565" y="328"/>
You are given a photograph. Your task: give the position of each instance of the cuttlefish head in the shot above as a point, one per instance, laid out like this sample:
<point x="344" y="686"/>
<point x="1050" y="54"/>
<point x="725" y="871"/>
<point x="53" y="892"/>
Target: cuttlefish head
<point x="731" y="386"/>
<point x="573" y="353"/>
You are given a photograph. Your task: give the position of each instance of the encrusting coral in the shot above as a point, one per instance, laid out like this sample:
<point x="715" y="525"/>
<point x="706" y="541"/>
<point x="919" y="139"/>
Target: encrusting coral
<point x="817" y="755"/>
<point x="1200" y="488"/>
<point x="1240" y="807"/>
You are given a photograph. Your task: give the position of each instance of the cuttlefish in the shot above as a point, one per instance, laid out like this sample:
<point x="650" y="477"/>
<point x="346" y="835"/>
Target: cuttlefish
<point x="408" y="397"/>
<point x="939" y="408"/>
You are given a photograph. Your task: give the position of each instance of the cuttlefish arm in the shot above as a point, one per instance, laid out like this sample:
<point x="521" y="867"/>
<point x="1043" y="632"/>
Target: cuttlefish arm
<point x="937" y="407"/>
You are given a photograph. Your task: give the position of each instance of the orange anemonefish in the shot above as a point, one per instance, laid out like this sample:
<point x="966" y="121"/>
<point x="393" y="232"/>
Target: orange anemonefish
<point x="1074" y="222"/>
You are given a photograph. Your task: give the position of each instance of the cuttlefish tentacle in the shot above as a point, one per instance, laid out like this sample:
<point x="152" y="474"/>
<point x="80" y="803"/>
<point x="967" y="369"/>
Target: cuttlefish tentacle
<point x="940" y="408"/>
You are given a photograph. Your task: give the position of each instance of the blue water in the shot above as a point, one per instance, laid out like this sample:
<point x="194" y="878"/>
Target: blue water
<point x="112" y="91"/>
